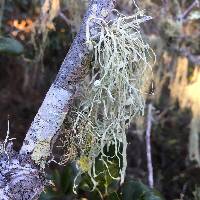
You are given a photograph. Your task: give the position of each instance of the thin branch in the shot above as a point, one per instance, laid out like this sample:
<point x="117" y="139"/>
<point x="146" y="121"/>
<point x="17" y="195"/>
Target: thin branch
<point x="62" y="15"/>
<point x="189" y="9"/>
<point x="165" y="6"/>
<point x="148" y="146"/>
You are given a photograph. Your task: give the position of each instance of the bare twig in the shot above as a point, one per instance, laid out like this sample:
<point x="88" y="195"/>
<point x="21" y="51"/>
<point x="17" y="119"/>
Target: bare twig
<point x="165" y="6"/>
<point x="148" y="146"/>
<point x="68" y="21"/>
<point x="189" y="9"/>
<point x="7" y="139"/>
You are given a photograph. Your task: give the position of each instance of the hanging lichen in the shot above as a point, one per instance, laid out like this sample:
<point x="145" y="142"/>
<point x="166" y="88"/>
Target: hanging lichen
<point x="113" y="96"/>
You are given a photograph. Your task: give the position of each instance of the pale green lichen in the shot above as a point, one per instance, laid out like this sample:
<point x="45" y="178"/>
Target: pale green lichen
<point x="114" y="95"/>
<point x="41" y="152"/>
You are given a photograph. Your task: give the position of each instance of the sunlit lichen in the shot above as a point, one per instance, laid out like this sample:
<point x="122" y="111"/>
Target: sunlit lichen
<point x="42" y="150"/>
<point x="84" y="163"/>
<point x="114" y="95"/>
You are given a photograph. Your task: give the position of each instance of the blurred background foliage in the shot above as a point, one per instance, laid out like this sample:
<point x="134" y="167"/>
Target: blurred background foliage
<point x="34" y="38"/>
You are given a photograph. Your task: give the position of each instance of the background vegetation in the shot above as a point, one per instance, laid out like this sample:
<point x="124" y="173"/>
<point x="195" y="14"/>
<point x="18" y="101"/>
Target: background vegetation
<point x="33" y="42"/>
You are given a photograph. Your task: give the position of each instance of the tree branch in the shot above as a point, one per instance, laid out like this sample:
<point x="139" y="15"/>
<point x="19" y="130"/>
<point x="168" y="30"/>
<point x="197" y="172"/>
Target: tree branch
<point x="148" y="146"/>
<point x="20" y="176"/>
<point x="189" y="9"/>
<point x="61" y="94"/>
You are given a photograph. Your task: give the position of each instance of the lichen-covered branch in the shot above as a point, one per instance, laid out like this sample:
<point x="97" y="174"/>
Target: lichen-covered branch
<point x="60" y="95"/>
<point x="20" y="174"/>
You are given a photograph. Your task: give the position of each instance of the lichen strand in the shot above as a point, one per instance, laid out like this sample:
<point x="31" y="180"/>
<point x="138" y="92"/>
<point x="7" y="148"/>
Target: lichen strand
<point x="113" y="96"/>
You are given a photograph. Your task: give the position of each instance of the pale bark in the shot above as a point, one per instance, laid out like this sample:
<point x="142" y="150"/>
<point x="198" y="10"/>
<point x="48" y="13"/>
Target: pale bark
<point x="194" y="151"/>
<point x="148" y="146"/>
<point x="20" y="175"/>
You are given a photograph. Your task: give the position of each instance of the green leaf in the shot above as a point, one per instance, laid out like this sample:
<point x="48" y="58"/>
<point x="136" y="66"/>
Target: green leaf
<point x="49" y="195"/>
<point x="57" y="178"/>
<point x="113" y="187"/>
<point x="10" y="46"/>
<point x="67" y="178"/>
<point x="113" y="196"/>
<point x="135" y="190"/>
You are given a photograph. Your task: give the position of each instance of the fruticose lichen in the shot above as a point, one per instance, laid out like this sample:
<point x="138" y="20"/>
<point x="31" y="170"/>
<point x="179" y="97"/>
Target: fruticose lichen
<point x="114" y="94"/>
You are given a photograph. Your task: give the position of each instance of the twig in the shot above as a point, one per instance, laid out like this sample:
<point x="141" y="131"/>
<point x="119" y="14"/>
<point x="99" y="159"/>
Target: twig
<point x="148" y="146"/>
<point x="165" y="6"/>
<point x="7" y="139"/>
<point x="68" y="21"/>
<point x="189" y="9"/>
<point x="135" y="4"/>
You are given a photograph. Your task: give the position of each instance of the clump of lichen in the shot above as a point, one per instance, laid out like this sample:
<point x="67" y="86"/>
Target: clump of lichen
<point x="114" y="95"/>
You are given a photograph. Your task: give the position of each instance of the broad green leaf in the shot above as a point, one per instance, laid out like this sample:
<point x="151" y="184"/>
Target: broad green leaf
<point x="49" y="195"/>
<point x="135" y="190"/>
<point x="67" y="178"/>
<point x="10" y="46"/>
<point x="113" y="196"/>
<point x="56" y="178"/>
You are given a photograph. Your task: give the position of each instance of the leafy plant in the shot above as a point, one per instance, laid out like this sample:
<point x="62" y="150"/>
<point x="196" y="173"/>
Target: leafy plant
<point x="196" y="193"/>
<point x="10" y="46"/>
<point x="135" y="190"/>
<point x="107" y="188"/>
<point x="61" y="184"/>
